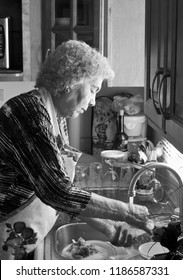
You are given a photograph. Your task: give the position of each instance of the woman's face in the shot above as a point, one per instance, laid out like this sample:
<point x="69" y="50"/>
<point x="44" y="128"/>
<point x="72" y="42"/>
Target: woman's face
<point x="78" y="99"/>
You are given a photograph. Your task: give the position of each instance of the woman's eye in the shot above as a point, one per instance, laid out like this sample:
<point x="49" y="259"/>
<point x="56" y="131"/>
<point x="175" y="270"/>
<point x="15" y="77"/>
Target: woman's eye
<point x="94" y="90"/>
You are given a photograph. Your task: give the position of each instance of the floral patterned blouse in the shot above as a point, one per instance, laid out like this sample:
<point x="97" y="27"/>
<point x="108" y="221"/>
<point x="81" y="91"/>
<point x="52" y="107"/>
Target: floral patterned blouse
<point x="29" y="161"/>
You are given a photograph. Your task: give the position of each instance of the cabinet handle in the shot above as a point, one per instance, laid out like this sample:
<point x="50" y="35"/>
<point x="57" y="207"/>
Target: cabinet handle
<point x="47" y="53"/>
<point x="164" y="114"/>
<point x="158" y="72"/>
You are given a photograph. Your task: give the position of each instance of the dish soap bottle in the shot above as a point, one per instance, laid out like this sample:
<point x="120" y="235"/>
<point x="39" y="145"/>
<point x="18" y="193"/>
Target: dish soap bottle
<point x="121" y="138"/>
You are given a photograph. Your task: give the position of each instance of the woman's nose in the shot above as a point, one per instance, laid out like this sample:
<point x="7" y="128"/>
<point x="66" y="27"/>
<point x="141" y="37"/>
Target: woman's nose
<point x="92" y="101"/>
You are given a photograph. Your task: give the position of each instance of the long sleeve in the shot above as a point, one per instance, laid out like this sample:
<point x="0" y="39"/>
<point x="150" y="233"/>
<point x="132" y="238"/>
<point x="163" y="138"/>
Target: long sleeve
<point x="34" y="153"/>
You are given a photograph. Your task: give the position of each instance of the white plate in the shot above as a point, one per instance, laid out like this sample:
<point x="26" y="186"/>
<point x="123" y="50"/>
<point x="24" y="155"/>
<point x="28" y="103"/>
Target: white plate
<point x="148" y="250"/>
<point x="105" y="250"/>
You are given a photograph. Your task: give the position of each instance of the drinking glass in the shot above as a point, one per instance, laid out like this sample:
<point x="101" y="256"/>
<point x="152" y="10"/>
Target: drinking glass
<point x="111" y="178"/>
<point x="95" y="175"/>
<point x="81" y="176"/>
<point x="126" y="175"/>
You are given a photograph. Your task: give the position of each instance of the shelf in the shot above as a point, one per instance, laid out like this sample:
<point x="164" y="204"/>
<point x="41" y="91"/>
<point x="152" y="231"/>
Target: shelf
<point x="11" y="75"/>
<point x="60" y="28"/>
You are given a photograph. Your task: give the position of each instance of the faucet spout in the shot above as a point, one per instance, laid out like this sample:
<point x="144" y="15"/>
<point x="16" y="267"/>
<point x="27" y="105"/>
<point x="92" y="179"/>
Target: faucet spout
<point x="150" y="166"/>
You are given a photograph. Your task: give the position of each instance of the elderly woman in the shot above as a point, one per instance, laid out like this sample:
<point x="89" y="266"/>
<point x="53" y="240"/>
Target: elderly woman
<point x="37" y="164"/>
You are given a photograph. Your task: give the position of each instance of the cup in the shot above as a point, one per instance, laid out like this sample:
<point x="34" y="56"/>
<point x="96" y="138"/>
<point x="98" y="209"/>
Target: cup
<point x="81" y="176"/>
<point x="110" y="178"/>
<point x="126" y="175"/>
<point x="95" y="175"/>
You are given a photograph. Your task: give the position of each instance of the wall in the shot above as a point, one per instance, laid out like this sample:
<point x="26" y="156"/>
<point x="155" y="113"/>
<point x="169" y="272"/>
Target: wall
<point x="11" y="89"/>
<point x="31" y="24"/>
<point x="126" y="35"/>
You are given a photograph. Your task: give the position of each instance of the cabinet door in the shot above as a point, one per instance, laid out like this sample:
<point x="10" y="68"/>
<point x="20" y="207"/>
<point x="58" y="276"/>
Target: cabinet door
<point x="164" y="68"/>
<point x="174" y="126"/>
<point x="70" y="19"/>
<point x="158" y="53"/>
<point x="178" y="106"/>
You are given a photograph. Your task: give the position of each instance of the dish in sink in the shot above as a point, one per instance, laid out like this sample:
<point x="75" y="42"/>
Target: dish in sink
<point x="88" y="250"/>
<point x="66" y="234"/>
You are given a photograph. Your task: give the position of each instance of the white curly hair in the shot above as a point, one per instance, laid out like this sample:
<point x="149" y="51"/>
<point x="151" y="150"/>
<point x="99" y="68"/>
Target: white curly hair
<point x="71" y="63"/>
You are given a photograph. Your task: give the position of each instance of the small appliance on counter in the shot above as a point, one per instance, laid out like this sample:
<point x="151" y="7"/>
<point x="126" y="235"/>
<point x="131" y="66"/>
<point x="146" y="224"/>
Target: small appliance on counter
<point x="4" y="43"/>
<point x="11" y="49"/>
<point x="135" y="126"/>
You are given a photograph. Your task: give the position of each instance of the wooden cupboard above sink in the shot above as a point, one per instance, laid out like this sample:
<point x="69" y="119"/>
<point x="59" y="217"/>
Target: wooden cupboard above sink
<point x="70" y="19"/>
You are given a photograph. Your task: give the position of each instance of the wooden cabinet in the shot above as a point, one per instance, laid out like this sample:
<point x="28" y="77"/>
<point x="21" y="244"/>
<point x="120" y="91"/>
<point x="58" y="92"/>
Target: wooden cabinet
<point x="163" y="68"/>
<point x="70" y="19"/>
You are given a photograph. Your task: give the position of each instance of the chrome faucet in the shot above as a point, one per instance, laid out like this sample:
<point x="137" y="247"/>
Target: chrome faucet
<point x="150" y="166"/>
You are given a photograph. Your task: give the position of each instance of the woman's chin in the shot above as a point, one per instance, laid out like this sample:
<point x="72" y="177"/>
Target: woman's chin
<point x="75" y="115"/>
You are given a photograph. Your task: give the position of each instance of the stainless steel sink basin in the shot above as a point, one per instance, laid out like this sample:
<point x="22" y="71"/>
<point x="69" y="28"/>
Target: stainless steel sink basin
<point x="62" y="236"/>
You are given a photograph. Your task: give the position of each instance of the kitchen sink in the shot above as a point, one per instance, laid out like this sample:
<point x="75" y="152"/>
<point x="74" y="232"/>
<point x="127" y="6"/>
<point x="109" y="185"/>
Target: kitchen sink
<point x="63" y="234"/>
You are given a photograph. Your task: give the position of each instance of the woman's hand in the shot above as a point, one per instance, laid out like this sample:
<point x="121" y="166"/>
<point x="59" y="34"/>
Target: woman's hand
<point x="121" y="234"/>
<point x="118" y="233"/>
<point x="137" y="216"/>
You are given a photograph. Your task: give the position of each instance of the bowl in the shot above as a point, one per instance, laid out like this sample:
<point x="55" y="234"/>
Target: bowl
<point x="113" y="155"/>
<point x="149" y="249"/>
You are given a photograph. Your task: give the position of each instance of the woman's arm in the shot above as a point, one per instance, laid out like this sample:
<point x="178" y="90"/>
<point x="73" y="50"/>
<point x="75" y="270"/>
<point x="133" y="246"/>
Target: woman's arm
<point x="107" y="208"/>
